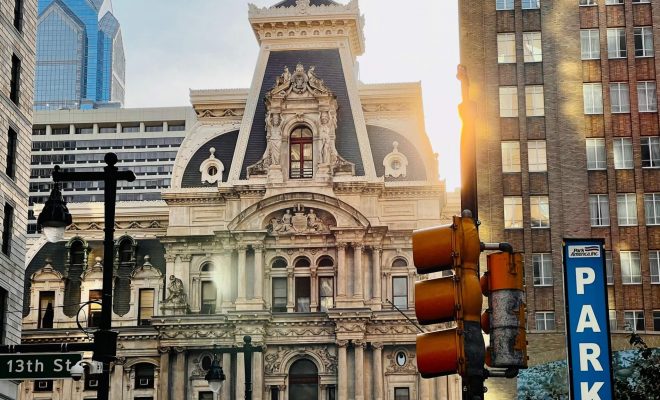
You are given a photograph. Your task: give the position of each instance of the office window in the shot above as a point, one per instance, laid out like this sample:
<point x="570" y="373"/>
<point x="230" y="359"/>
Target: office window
<point x="650" y="151"/>
<point x="630" y="269"/>
<point x="513" y="218"/>
<point x="18" y="15"/>
<point x="540" y="211"/>
<point x="531" y="4"/>
<point x="620" y="97"/>
<point x="623" y="153"/>
<point x="593" y="98"/>
<point x="146" y="306"/>
<point x="626" y="205"/>
<point x="15" y="82"/>
<point x="644" y="41"/>
<point x="536" y="156"/>
<point x="510" y="156"/>
<point x="10" y="170"/>
<point x="300" y="153"/>
<point x="611" y="314"/>
<point x="596" y="154"/>
<point x="209" y="296"/>
<point x="326" y="293"/>
<point x="206" y="396"/>
<point x="153" y="128"/>
<point x="646" y="97"/>
<point x="508" y="101"/>
<point x="641" y="1"/>
<point x="588" y="2"/>
<point x="303" y="294"/>
<point x="634" y="320"/>
<point x="279" y="295"/>
<point x="532" y="49"/>
<point x="506" y="48"/>
<point x="504" y="4"/>
<point x="534" y="101"/>
<point x="144" y="376"/>
<point x="654" y="265"/>
<point x="545" y="321"/>
<point x="401" y="393"/>
<point x="46" y="310"/>
<point x="3" y="315"/>
<point x="656" y="321"/>
<point x="599" y="207"/>
<point x="94" y="310"/>
<point x="611" y="2"/>
<point x="7" y="228"/>
<point x="590" y="44"/>
<point x="542" y="263"/>
<point x="616" y="43"/>
<point x="400" y="292"/>
<point x="652" y="208"/>
<point x="43" y="386"/>
<point x="609" y="268"/>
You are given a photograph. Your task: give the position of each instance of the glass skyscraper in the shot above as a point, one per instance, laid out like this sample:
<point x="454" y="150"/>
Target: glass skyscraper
<point x="80" y="55"/>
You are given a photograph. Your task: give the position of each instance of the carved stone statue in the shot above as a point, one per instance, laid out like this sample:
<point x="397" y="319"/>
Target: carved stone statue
<point x="327" y="147"/>
<point x="177" y="295"/>
<point x="300" y="223"/>
<point x="314" y="82"/>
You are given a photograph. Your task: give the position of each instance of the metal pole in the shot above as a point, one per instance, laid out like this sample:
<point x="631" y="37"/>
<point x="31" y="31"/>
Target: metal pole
<point x="247" y="354"/>
<point x="467" y="111"/>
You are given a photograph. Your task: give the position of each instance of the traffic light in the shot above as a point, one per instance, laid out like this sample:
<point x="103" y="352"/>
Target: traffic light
<point x="458" y="297"/>
<point x="505" y="318"/>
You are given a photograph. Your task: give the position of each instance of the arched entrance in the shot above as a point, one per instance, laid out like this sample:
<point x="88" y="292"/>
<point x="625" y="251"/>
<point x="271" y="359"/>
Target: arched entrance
<point x="303" y="380"/>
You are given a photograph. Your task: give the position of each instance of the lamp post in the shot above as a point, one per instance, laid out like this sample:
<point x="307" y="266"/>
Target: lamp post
<point x="215" y="376"/>
<point x="54" y="219"/>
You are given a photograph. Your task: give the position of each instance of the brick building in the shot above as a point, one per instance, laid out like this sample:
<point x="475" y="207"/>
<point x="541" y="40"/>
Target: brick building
<point x="568" y="146"/>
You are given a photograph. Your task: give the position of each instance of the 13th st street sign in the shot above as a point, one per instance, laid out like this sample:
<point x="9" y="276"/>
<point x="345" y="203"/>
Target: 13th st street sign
<point x="38" y="365"/>
<point x="587" y="325"/>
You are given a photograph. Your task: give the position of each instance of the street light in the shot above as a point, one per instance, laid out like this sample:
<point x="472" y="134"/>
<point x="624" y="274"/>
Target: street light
<point x="54" y="219"/>
<point x="215" y="376"/>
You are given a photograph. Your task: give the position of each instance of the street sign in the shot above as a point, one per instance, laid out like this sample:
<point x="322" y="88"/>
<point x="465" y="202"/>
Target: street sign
<point x="37" y="365"/>
<point x="587" y="324"/>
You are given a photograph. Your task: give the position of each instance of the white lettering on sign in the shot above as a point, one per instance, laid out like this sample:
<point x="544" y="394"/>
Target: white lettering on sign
<point x="20" y="366"/>
<point x="589" y="353"/>
<point x="587" y="319"/>
<point x="590" y="393"/>
<point x="583" y="251"/>
<point x="584" y="276"/>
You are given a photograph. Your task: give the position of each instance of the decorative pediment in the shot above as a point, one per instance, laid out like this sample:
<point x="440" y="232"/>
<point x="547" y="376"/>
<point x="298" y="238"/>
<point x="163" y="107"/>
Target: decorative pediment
<point x="300" y="83"/>
<point x="211" y="168"/>
<point x="395" y="163"/>
<point x="299" y="220"/>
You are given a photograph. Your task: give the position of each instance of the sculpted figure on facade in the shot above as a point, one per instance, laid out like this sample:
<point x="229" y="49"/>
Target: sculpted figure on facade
<point x="272" y="155"/>
<point x="177" y="295"/>
<point x="300" y="222"/>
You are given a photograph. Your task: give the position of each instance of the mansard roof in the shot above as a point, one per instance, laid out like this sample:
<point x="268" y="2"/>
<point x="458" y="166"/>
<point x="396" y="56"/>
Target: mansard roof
<point x="292" y="3"/>
<point x="381" y="141"/>
<point x="224" y="146"/>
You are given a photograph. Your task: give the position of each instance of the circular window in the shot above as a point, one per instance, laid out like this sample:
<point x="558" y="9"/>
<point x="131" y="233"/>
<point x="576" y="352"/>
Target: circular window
<point x="212" y="170"/>
<point x="206" y="361"/>
<point x="401" y="359"/>
<point x="396" y="164"/>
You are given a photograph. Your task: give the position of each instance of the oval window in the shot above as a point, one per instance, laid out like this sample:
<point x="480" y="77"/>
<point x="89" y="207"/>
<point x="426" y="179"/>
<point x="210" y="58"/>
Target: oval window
<point x="401" y="359"/>
<point x="212" y="171"/>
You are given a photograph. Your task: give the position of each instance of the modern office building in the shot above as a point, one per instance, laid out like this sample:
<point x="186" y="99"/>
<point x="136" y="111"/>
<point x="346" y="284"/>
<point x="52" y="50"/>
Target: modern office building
<point x="289" y="219"/>
<point x="18" y="19"/>
<point x="145" y="140"/>
<point x="80" y="56"/>
<point x="569" y="146"/>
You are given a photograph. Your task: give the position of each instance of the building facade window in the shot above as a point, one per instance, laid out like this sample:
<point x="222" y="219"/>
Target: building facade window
<point x="510" y="157"/>
<point x="12" y="139"/>
<point x="46" y="309"/>
<point x="631" y="272"/>
<point x="531" y="4"/>
<point x="634" y="319"/>
<point x="593" y="98"/>
<point x="145" y="306"/>
<point x="144" y="376"/>
<point x="643" y="41"/>
<point x="326" y="293"/>
<point x="506" y="48"/>
<point x="654" y="265"/>
<point x="43" y="385"/>
<point x="401" y="393"/>
<point x="623" y="153"/>
<point x="620" y="97"/>
<point x="279" y="295"/>
<point x="15" y="80"/>
<point x="542" y="263"/>
<point x="3" y="315"/>
<point x="540" y="211"/>
<point x="545" y="320"/>
<point x="508" y="101"/>
<point x="599" y="207"/>
<point x="609" y="268"/>
<point x="590" y="44"/>
<point x="513" y="218"/>
<point x="536" y="156"/>
<point x="303" y="286"/>
<point x="504" y="4"/>
<point x="534" y="105"/>
<point x="400" y="292"/>
<point x="626" y="209"/>
<point x="616" y="43"/>
<point x="588" y="2"/>
<point x="612" y="2"/>
<point x="94" y="309"/>
<point x="18" y="15"/>
<point x="656" y="320"/>
<point x="612" y="319"/>
<point x="647" y="97"/>
<point x="7" y="229"/>
<point x="301" y="163"/>
<point x="532" y="48"/>
<point x="209" y="297"/>
<point x="596" y="154"/>
<point x="652" y="208"/>
<point x="650" y="151"/>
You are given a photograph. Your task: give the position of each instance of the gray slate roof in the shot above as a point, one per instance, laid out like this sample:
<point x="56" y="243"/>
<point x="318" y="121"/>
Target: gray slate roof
<point x="292" y="3"/>
<point x="381" y="139"/>
<point x="225" y="145"/>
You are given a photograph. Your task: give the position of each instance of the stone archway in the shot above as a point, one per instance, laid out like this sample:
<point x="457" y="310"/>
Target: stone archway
<point x="303" y="380"/>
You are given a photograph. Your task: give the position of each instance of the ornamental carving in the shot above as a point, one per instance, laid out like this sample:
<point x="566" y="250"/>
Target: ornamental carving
<point x="211" y="168"/>
<point x="299" y="220"/>
<point x="394" y="367"/>
<point x="274" y="359"/>
<point x="395" y="163"/>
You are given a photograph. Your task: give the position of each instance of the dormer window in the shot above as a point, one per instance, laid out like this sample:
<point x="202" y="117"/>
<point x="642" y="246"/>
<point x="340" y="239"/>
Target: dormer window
<point x="300" y="153"/>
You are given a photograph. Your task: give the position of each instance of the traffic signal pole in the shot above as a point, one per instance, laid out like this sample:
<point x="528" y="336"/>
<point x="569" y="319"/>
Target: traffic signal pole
<point x="467" y="111"/>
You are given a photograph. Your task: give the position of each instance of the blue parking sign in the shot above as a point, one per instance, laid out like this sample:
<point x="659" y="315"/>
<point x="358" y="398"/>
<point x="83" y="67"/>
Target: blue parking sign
<point x="587" y="320"/>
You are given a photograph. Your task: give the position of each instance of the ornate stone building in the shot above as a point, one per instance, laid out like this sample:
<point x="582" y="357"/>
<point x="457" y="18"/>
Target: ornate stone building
<point x="289" y="219"/>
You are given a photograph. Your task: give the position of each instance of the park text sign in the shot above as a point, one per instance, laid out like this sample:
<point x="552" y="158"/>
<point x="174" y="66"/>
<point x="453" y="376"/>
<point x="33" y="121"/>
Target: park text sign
<point x="37" y="365"/>
<point x="587" y="325"/>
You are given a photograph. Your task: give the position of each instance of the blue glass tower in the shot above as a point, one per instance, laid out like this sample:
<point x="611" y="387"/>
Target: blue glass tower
<point x="80" y="55"/>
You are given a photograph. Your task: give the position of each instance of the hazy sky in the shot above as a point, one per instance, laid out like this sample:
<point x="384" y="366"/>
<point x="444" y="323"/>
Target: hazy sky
<point x="174" y="45"/>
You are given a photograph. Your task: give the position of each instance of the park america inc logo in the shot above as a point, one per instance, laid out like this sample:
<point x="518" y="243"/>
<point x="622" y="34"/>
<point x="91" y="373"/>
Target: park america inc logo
<point x="583" y="251"/>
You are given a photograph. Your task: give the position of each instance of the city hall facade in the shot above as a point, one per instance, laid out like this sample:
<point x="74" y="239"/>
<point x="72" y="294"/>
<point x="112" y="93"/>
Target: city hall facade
<point x="289" y="219"/>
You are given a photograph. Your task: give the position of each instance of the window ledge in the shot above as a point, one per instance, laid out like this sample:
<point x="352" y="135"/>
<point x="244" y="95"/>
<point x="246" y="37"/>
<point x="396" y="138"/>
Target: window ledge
<point x="631" y="284"/>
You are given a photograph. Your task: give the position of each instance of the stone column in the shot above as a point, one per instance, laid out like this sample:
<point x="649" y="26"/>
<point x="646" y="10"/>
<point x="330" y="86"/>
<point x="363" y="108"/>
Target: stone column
<point x="258" y="376"/>
<point x="342" y="279"/>
<point x="225" y="265"/>
<point x="358" y="286"/>
<point x="242" y="277"/>
<point x="180" y="375"/>
<point x="424" y="389"/>
<point x="314" y="291"/>
<point x="342" y="370"/>
<point x="259" y="272"/>
<point x="195" y="295"/>
<point x="359" y="346"/>
<point x="282" y="392"/>
<point x="117" y="380"/>
<point x="164" y="384"/>
<point x="290" y="301"/>
<point x="378" y="370"/>
<point x="226" y="366"/>
<point x="376" y="278"/>
<point x="169" y="264"/>
<point x="240" y="376"/>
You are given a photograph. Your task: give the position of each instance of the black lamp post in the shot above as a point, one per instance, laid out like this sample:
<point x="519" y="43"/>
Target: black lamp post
<point x="54" y="219"/>
<point x="215" y="376"/>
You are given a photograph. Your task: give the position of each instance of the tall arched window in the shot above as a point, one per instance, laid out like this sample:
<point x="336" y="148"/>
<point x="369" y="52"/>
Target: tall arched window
<point x="300" y="153"/>
<point x="77" y="253"/>
<point x="400" y="283"/>
<point x="279" y="285"/>
<point x="303" y="380"/>
<point x="303" y="287"/>
<point x="209" y="292"/>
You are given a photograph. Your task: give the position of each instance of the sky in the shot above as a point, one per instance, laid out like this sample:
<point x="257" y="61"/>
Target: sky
<point x="173" y="46"/>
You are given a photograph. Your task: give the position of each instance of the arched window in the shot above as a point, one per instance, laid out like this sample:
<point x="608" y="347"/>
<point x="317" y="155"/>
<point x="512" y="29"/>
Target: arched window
<point x="302" y="263"/>
<point x="303" y="286"/>
<point x="399" y="263"/>
<point x="303" y="380"/>
<point x="300" y="153"/>
<point x="77" y="255"/>
<point x="125" y="251"/>
<point x="326" y="262"/>
<point x="279" y="263"/>
<point x="144" y="376"/>
<point x="326" y="283"/>
<point x="208" y="267"/>
<point x="279" y="285"/>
